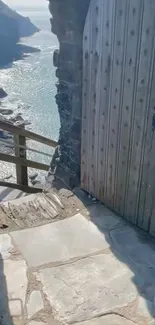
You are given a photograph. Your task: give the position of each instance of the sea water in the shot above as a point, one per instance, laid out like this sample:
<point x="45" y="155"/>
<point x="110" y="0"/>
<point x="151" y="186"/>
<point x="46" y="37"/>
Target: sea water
<point x="30" y="84"/>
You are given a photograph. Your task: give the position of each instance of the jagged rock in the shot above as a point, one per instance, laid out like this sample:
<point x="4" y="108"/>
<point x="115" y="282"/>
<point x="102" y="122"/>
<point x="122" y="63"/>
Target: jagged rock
<point x="17" y="117"/>
<point x="5" y="111"/>
<point x="3" y="94"/>
<point x="68" y="59"/>
<point x="16" y="120"/>
<point x="25" y="122"/>
<point x="33" y="176"/>
<point x="56" y="58"/>
<point x="35" y="182"/>
<point x="2" y="118"/>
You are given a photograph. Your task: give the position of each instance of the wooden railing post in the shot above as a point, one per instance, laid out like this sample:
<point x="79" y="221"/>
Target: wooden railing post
<point x="21" y="171"/>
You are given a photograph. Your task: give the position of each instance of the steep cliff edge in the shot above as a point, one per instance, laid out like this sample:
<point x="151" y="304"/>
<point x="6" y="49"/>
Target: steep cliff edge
<point x="12" y="27"/>
<point x="68" y="19"/>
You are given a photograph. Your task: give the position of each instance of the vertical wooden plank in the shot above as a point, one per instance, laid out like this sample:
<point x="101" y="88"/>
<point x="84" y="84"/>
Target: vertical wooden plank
<point x="120" y="25"/>
<point x="98" y="90"/>
<point x="112" y="11"/>
<point x="147" y="179"/>
<point x="85" y="100"/>
<point x="106" y="46"/>
<point x="149" y="211"/>
<point x="150" y="198"/>
<point x="87" y="65"/>
<point x="21" y="171"/>
<point x="146" y="212"/>
<point x="89" y="131"/>
<point x="93" y="132"/>
<point x="140" y="114"/>
<point x="131" y="52"/>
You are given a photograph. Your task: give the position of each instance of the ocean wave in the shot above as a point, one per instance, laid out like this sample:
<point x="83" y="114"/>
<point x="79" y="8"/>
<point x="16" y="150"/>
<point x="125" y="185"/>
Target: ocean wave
<point x="52" y="47"/>
<point x="14" y="93"/>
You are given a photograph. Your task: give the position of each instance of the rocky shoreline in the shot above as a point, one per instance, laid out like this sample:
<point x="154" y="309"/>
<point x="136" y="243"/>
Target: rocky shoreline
<point x="6" y="138"/>
<point x="7" y="114"/>
<point x="13" y="27"/>
<point x="7" y="142"/>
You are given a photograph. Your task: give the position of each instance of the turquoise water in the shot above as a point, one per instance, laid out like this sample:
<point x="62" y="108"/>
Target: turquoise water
<point x="30" y="83"/>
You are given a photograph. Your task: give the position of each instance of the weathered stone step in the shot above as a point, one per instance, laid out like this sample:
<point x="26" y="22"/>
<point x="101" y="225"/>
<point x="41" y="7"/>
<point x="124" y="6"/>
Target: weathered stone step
<point x="38" y="209"/>
<point x="29" y="211"/>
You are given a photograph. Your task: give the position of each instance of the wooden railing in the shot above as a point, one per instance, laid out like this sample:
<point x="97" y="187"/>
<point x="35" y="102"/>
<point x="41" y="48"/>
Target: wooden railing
<point x="20" y="158"/>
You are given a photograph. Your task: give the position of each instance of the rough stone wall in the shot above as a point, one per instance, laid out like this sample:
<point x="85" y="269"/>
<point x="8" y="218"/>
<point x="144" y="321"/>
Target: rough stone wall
<point x="68" y="19"/>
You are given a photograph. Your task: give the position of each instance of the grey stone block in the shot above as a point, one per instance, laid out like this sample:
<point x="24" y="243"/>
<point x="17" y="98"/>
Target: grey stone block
<point x="88" y="287"/>
<point x="59" y="241"/>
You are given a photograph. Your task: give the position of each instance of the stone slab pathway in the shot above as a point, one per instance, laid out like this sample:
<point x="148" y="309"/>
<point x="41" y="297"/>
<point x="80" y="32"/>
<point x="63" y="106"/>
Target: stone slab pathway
<point x="92" y="268"/>
<point x="88" y="288"/>
<point x="60" y="241"/>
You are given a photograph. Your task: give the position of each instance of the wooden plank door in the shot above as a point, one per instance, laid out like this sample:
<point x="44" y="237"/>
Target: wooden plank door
<point x="118" y="114"/>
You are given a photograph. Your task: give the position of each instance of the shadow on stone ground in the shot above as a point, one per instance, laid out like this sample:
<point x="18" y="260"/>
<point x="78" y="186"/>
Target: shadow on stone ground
<point x="5" y="317"/>
<point x="11" y="308"/>
<point x="130" y="245"/>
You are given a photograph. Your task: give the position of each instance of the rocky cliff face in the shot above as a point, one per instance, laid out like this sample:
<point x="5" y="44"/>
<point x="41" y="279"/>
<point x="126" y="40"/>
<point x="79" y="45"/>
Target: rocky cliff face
<point x="68" y="18"/>
<point x="12" y="27"/>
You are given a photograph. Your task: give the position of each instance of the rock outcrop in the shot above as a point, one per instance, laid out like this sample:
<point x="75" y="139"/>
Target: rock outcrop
<point x="12" y="27"/>
<point x="68" y="18"/>
<point x="3" y="94"/>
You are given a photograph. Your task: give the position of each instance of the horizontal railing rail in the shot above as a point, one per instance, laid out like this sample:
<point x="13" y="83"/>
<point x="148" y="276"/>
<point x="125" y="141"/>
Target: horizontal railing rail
<point x="27" y="134"/>
<point x="20" y="152"/>
<point x="10" y="144"/>
<point x="24" y="162"/>
<point x="24" y="188"/>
